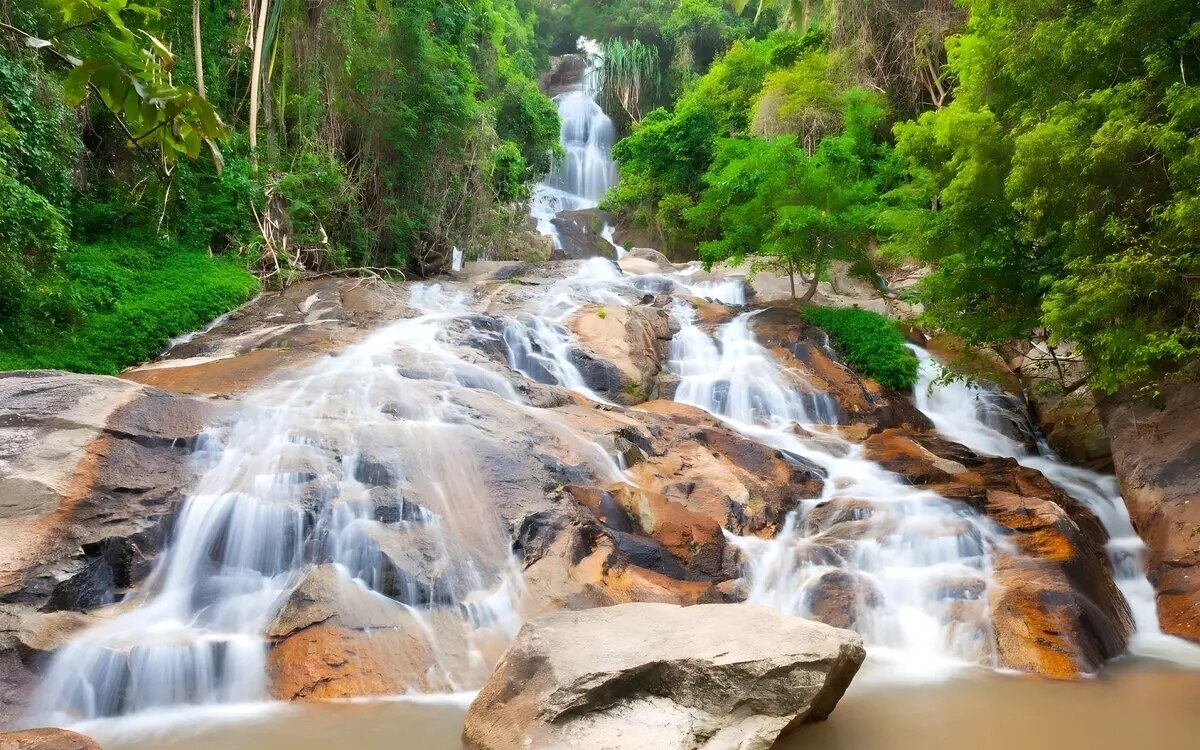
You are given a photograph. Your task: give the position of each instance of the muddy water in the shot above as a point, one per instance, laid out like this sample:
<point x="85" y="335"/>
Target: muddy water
<point x="1132" y="706"/>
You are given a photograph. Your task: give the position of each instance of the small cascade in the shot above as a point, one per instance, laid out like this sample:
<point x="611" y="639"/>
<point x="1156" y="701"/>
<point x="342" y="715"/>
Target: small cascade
<point x="991" y="422"/>
<point x="585" y="172"/>
<point x="912" y="565"/>
<point x="363" y="464"/>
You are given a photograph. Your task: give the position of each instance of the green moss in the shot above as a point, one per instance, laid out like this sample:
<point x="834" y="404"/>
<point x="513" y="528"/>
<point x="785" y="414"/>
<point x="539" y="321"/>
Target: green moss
<point x="128" y="298"/>
<point x="869" y="342"/>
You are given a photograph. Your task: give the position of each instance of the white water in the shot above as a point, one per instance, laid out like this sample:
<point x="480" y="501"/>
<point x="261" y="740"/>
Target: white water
<point x="365" y="447"/>
<point x="922" y="562"/>
<point x="989" y="422"/>
<point x="585" y="172"/>
<point x="295" y="482"/>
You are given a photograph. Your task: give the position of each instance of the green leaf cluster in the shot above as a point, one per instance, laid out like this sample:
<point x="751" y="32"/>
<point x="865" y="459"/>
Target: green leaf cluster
<point x="869" y="342"/>
<point x="1059" y="192"/>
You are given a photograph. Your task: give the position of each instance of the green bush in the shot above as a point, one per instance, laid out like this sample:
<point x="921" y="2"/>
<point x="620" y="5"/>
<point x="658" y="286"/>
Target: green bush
<point x="869" y="342"/>
<point x="130" y="297"/>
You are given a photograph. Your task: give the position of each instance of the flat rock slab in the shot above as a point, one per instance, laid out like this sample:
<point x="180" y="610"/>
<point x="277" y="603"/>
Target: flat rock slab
<point x="633" y="676"/>
<point x="47" y="739"/>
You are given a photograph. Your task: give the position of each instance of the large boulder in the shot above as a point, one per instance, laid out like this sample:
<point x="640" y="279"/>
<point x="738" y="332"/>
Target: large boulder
<point x="581" y="235"/>
<point x="1156" y="451"/>
<point x="92" y="473"/>
<point x="634" y="340"/>
<point x="666" y="677"/>
<point x="49" y="738"/>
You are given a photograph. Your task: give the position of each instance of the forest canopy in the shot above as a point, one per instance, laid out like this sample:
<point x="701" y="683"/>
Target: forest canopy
<point x="1039" y="160"/>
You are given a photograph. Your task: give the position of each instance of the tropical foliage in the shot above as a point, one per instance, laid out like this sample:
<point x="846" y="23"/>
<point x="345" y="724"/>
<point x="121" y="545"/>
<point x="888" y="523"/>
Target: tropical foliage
<point x="869" y="342"/>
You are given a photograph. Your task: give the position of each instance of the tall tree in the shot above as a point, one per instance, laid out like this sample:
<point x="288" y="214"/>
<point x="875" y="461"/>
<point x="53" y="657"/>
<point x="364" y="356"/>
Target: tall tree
<point x="1059" y="193"/>
<point x="769" y="201"/>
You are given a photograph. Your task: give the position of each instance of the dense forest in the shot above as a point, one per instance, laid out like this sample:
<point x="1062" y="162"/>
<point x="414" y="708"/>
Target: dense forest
<point x="159" y="161"/>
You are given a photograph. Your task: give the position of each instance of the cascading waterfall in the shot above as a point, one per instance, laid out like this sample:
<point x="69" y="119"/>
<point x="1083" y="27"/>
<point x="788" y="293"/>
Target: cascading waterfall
<point x="990" y="422"/>
<point x="585" y="172"/>
<point x="921" y="563"/>
<point x="366" y="448"/>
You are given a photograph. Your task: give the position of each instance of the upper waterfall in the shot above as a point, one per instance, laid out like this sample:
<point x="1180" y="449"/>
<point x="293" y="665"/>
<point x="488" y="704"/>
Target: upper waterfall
<point x="585" y="171"/>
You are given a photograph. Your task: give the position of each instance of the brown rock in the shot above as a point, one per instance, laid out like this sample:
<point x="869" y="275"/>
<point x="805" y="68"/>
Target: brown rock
<point x="327" y="661"/>
<point x="804" y="349"/>
<point x="839" y="598"/>
<point x="47" y="739"/>
<point x="1156" y="452"/>
<point x="668" y="677"/>
<point x="631" y="339"/>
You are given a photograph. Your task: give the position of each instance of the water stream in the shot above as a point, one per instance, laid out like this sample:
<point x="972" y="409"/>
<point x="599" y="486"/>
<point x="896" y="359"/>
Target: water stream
<point x="919" y="564"/>
<point x="364" y="454"/>
<point x="586" y="170"/>
<point x="370" y="451"/>
<point x="993" y="423"/>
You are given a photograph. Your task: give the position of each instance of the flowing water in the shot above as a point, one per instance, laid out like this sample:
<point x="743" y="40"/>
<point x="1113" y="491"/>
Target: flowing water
<point x="372" y="449"/>
<point x="365" y="450"/>
<point x="909" y="548"/>
<point x="994" y="423"/>
<point x="586" y="170"/>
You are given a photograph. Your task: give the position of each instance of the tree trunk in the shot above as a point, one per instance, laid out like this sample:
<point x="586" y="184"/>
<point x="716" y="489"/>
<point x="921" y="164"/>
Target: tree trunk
<point x="256" y="74"/>
<point x="197" y="48"/>
<point x="812" y="288"/>
<point x="792" y="277"/>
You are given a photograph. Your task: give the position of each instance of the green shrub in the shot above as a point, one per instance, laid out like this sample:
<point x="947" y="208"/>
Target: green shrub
<point x="130" y="297"/>
<point x="869" y="342"/>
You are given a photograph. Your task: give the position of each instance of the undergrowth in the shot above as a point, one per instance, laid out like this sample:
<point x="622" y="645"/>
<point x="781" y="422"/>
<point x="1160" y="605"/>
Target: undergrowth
<point x="121" y="301"/>
<point x="869" y="343"/>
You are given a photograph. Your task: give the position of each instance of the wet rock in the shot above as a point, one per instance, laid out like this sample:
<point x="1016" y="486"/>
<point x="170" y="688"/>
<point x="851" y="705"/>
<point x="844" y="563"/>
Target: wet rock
<point x="634" y="340"/>
<point x="806" y="350"/>
<point x="580" y="234"/>
<point x="47" y="739"/>
<point x="1043" y="624"/>
<point x="573" y="562"/>
<point x="334" y="639"/>
<point x="692" y="538"/>
<point x="669" y="677"/>
<point x="92" y="474"/>
<point x="1156" y="449"/>
<point x="839" y="598"/>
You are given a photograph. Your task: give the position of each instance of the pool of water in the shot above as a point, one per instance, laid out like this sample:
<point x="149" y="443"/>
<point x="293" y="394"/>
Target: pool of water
<point x="1134" y="705"/>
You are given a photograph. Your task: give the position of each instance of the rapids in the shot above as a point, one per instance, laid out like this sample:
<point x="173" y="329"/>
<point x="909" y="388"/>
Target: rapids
<point x="579" y="178"/>
<point x="317" y="467"/>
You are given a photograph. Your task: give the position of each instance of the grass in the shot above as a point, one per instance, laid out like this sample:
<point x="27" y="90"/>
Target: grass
<point x="869" y="343"/>
<point x="129" y="297"/>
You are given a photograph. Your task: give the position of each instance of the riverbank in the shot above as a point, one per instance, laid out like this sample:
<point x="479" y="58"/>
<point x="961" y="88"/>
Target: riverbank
<point x="1135" y="704"/>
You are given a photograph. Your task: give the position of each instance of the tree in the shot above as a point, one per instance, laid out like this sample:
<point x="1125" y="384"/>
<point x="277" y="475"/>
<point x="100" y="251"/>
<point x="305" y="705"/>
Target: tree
<point x="129" y="70"/>
<point x="793" y="14"/>
<point x="1059" y="193"/>
<point x="771" y="201"/>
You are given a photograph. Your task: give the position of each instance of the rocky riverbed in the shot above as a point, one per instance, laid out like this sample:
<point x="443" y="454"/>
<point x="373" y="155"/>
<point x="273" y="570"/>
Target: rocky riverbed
<point x="515" y="442"/>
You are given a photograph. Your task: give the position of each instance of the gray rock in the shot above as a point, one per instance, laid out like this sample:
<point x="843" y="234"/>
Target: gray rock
<point x="670" y="678"/>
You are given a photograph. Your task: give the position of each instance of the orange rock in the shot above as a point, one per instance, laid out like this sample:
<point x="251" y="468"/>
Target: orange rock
<point x="1156" y="449"/>
<point x="47" y="739"/>
<point x="326" y="661"/>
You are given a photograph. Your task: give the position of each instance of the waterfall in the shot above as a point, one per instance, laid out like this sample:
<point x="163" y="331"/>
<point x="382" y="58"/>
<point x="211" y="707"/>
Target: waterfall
<point x="363" y="450"/>
<point x="585" y="172"/>
<point x="989" y="422"/>
<point x="919" y="564"/>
